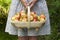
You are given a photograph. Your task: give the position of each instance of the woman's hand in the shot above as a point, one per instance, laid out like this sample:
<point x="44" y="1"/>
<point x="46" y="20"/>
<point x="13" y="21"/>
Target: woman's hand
<point x="24" y="3"/>
<point x="31" y="4"/>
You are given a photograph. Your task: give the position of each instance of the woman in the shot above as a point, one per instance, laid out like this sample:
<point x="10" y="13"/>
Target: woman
<point x="38" y="6"/>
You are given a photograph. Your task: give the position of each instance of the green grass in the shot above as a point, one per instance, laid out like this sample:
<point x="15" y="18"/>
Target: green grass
<point x="6" y="36"/>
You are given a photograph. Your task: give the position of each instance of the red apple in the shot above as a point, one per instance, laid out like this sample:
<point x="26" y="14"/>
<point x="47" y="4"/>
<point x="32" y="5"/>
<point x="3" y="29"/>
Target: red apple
<point x="20" y="19"/>
<point x="35" y="18"/>
<point x="17" y="17"/>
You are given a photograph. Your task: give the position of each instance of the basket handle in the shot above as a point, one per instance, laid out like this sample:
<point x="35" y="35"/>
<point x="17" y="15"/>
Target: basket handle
<point x="28" y="16"/>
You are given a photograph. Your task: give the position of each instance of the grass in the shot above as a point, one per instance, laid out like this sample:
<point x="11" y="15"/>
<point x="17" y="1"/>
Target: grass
<point x="6" y="36"/>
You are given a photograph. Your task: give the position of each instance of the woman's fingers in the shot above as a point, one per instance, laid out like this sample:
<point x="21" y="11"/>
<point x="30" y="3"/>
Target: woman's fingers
<point x="32" y="3"/>
<point x="24" y="2"/>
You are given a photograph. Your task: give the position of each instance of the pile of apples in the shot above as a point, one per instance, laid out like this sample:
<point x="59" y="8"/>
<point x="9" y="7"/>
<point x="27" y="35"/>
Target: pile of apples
<point x="23" y="17"/>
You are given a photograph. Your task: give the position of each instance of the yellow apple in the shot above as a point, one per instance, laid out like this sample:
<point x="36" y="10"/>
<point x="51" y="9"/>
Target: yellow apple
<point x="42" y="16"/>
<point x="17" y="17"/>
<point x="20" y="19"/>
<point x="42" y="19"/>
<point x="24" y="20"/>
<point x="31" y="18"/>
<point x="35" y="18"/>
<point x="13" y="18"/>
<point x="39" y="18"/>
<point x="23" y="14"/>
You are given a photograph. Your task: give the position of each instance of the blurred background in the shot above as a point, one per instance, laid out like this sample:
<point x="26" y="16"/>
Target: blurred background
<point x="54" y="12"/>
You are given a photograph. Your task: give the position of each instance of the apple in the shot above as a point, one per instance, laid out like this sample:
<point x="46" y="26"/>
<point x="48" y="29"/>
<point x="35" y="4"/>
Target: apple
<point x="17" y="17"/>
<point x="42" y="16"/>
<point x="13" y="18"/>
<point x="24" y="19"/>
<point x="16" y="20"/>
<point x="35" y="18"/>
<point x="32" y="13"/>
<point x="38" y="18"/>
<point x="31" y="17"/>
<point x="42" y="19"/>
<point x="23" y="14"/>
